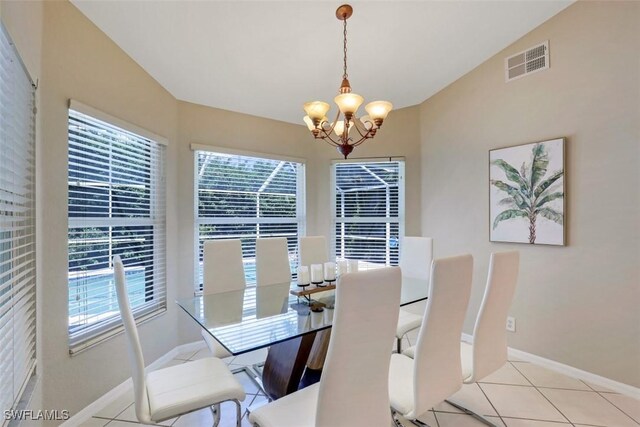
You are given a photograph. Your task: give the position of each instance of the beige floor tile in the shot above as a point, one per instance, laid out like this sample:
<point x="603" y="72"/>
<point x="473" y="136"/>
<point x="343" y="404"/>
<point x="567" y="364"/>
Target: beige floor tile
<point x="543" y="377"/>
<point x="129" y="414"/>
<point x="251" y="358"/>
<point x="116" y="423"/>
<point x="521" y="402"/>
<point x="512" y="422"/>
<point x="228" y="360"/>
<point x="117" y="406"/>
<point x="461" y="420"/>
<point x="247" y="383"/>
<point x="174" y="362"/>
<point x="628" y="405"/>
<point x="186" y="355"/>
<point x="600" y="388"/>
<point x="201" y="354"/>
<point x="506" y="375"/>
<point x="94" y="422"/>
<point x="470" y="397"/>
<point x="587" y="407"/>
<point x="427" y="418"/>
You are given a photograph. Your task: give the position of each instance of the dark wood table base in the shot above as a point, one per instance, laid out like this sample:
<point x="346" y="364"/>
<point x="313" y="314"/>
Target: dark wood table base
<point x="285" y="365"/>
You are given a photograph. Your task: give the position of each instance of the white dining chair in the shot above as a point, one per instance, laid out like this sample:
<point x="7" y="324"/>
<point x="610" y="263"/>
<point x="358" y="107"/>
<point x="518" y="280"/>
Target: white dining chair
<point x="435" y="373"/>
<point x="488" y="353"/>
<point x="272" y="261"/>
<point x="313" y="250"/>
<point x="169" y="392"/>
<point x="223" y="271"/>
<point x="416" y="255"/>
<point x="353" y="389"/>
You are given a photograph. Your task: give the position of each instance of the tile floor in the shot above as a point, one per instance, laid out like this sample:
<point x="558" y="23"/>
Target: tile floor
<point x="518" y="395"/>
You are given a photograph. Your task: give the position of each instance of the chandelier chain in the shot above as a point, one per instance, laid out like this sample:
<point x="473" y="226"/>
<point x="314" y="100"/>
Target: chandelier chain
<point x="345" y="75"/>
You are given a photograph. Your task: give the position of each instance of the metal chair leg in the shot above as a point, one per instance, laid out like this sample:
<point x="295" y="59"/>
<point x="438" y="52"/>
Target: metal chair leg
<point x="415" y="422"/>
<point x="238" y="413"/>
<point x="215" y="410"/>
<point x="473" y="414"/>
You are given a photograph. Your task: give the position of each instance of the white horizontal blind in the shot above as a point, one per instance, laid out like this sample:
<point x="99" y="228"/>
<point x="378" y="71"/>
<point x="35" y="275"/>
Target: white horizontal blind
<point x="116" y="207"/>
<point x="368" y="211"/>
<point x="17" y="226"/>
<point x="242" y="197"/>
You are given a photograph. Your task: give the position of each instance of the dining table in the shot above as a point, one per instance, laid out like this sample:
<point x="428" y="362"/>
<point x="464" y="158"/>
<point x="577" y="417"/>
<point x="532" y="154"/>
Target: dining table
<point x="293" y="322"/>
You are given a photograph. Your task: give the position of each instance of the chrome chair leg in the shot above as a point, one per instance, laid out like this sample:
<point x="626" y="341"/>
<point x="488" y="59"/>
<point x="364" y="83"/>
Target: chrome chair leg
<point x="215" y="410"/>
<point x="415" y="422"/>
<point x="473" y="414"/>
<point x="238" y="413"/>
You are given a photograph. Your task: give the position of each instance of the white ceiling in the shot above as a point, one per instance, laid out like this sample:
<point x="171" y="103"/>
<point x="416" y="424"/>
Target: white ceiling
<point x="267" y="58"/>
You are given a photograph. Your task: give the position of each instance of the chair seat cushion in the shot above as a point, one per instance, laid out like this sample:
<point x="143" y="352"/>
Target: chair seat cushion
<point x="189" y="386"/>
<point x="401" y="385"/>
<point x="214" y="346"/>
<point x="407" y="321"/>
<point x="466" y="356"/>
<point x="294" y="410"/>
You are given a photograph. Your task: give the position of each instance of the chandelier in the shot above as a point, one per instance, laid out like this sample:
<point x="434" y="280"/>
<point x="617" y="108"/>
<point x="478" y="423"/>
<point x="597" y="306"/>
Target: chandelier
<point x="347" y="131"/>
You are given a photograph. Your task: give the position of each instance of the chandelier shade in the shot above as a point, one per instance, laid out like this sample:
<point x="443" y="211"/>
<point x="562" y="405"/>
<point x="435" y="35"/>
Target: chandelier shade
<point x="347" y="130"/>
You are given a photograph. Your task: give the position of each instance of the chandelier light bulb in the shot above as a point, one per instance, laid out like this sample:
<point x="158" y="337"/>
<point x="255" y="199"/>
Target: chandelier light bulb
<point x="378" y="110"/>
<point x="316" y="110"/>
<point x="348" y="103"/>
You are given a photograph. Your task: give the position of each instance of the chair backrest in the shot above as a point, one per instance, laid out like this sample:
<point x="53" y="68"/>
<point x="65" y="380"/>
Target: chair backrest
<point x="416" y="255"/>
<point x="313" y="250"/>
<point x="354" y="388"/>
<point x="222" y="266"/>
<point x="136" y="359"/>
<point x="272" y="261"/>
<point x="490" y="335"/>
<point x="438" y="368"/>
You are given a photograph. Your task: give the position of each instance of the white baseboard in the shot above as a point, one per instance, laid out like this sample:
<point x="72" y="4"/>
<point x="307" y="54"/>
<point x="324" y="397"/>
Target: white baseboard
<point x="110" y="396"/>
<point x="622" y="388"/>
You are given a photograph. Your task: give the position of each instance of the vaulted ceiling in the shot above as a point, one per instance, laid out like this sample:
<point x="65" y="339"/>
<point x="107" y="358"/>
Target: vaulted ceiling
<point x="267" y="58"/>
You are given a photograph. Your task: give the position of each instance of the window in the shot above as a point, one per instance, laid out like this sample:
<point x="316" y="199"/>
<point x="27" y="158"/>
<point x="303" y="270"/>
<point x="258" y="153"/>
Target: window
<point x="243" y="197"/>
<point x="17" y="226"/>
<point x="116" y="207"/>
<point x="368" y="213"/>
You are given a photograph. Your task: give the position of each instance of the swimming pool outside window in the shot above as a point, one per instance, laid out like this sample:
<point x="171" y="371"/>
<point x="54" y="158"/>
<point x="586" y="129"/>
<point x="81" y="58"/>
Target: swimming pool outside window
<point x="116" y="207"/>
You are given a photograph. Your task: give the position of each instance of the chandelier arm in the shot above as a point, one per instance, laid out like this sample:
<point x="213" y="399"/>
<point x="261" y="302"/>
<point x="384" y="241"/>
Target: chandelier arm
<point x="363" y="139"/>
<point x="329" y="139"/>
<point x="358" y="127"/>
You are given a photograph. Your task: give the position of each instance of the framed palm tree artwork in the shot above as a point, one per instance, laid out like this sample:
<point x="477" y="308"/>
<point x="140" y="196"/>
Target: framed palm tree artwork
<point x="527" y="194"/>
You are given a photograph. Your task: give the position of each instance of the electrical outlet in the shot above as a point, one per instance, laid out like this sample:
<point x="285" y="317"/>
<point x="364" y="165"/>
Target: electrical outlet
<point x="511" y="324"/>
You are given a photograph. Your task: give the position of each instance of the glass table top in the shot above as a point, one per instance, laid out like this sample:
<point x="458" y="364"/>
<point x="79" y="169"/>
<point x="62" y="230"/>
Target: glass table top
<point x="258" y="317"/>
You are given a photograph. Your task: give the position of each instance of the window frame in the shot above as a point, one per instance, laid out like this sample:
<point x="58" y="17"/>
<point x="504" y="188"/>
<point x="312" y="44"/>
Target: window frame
<point x="105" y="329"/>
<point x="400" y="219"/>
<point x="301" y="194"/>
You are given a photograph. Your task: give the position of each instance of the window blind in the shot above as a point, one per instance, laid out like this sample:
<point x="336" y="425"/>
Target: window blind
<point x="368" y="212"/>
<point x="244" y="197"/>
<point x="17" y="226"/>
<point x="116" y="207"/>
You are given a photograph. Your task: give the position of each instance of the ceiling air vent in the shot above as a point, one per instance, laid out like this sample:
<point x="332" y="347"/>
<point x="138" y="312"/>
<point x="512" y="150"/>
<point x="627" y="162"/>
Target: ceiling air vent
<point x="529" y="61"/>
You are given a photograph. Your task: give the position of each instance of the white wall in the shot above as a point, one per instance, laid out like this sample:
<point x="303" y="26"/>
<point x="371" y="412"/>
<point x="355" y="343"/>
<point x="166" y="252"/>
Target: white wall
<point x="578" y="304"/>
